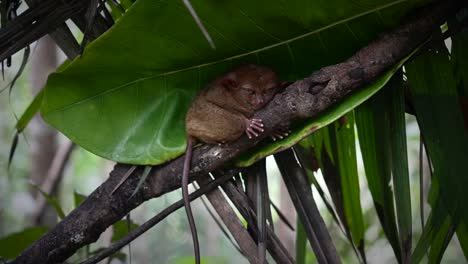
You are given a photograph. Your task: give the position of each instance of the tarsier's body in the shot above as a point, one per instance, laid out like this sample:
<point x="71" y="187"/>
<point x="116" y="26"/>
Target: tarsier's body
<point x="223" y="111"/>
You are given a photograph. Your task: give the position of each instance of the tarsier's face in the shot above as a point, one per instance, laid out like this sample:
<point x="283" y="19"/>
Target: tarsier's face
<point x="256" y="86"/>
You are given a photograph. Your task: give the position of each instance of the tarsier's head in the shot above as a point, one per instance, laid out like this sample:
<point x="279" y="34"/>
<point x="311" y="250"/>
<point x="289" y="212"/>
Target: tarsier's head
<point x="252" y="85"/>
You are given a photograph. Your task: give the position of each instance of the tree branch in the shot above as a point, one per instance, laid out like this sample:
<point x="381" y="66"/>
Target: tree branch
<point x="303" y="99"/>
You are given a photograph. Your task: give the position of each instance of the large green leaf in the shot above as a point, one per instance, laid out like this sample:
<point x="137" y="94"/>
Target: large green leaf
<point x="126" y="97"/>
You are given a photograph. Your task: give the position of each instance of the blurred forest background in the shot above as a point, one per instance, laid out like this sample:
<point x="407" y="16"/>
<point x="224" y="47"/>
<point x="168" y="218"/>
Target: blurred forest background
<point x="40" y="147"/>
<point x="169" y="242"/>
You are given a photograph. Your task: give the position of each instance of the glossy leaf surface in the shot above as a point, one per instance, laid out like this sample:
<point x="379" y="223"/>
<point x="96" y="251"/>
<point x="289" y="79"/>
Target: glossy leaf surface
<point x="126" y="97"/>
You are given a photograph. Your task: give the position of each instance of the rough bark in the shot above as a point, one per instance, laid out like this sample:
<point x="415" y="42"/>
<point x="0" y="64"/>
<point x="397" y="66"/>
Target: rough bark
<point x="303" y="99"/>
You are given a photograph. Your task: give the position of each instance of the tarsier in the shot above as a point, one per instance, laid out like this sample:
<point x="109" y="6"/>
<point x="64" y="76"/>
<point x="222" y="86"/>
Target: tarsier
<point x="222" y="112"/>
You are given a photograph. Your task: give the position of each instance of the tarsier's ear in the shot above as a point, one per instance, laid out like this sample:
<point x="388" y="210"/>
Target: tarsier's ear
<point x="229" y="81"/>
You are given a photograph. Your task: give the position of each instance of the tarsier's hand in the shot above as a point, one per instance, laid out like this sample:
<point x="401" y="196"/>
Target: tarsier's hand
<point x="253" y="127"/>
<point x="279" y="133"/>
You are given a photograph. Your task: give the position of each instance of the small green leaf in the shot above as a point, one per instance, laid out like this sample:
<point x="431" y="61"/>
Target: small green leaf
<point x="51" y="200"/>
<point x="79" y="198"/>
<point x="32" y="109"/>
<point x="23" y="121"/>
<point x="14" y="145"/>
<point x="12" y="245"/>
<point x="121" y="229"/>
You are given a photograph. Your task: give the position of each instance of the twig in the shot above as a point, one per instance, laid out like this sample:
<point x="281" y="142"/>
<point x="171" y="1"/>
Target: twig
<point x="53" y="177"/>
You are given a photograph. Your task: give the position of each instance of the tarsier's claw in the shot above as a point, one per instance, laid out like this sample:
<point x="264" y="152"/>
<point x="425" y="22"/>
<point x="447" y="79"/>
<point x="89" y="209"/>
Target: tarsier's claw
<point x="279" y="133"/>
<point x="253" y="127"/>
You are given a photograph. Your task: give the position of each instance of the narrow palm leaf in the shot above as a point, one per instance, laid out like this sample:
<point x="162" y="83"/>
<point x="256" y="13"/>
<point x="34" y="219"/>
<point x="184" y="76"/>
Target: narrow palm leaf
<point x="373" y="132"/>
<point x="347" y="165"/>
<point x="400" y="174"/>
<point x="301" y="243"/>
<point x="435" y="97"/>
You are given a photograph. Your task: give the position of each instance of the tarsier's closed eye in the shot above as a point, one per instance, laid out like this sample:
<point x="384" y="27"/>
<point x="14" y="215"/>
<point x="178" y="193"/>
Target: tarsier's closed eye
<point x="249" y="91"/>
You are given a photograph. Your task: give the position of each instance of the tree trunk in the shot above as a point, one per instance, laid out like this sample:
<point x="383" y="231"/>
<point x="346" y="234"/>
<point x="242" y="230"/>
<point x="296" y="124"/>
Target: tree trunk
<point x="44" y="139"/>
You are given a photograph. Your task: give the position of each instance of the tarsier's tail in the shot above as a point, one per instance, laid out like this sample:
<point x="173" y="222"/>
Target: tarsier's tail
<point x="185" y="195"/>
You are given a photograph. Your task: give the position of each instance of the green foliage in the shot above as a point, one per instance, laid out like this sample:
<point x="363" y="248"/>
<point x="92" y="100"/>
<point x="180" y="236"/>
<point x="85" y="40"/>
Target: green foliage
<point x="12" y="245"/>
<point x="126" y="97"/>
<point x="32" y="109"/>
<point x="203" y="260"/>
<point x="121" y="229"/>
<point x="51" y="200"/>
<point x="347" y="164"/>
<point x="301" y="242"/>
<point x="374" y="135"/>
<point x="395" y="108"/>
<point x="78" y="198"/>
<point x="382" y="136"/>
<point x="437" y="104"/>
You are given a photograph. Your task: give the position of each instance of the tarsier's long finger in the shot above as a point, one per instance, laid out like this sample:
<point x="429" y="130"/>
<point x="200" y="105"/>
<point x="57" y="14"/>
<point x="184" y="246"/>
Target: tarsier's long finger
<point x="256" y="121"/>
<point x="280" y="133"/>
<point x="256" y="128"/>
<point x="256" y="124"/>
<point x="276" y="136"/>
<point x="251" y="133"/>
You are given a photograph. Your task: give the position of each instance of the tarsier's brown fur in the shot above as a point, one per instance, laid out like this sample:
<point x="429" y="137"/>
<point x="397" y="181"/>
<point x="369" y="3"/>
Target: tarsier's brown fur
<point x="223" y="111"/>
